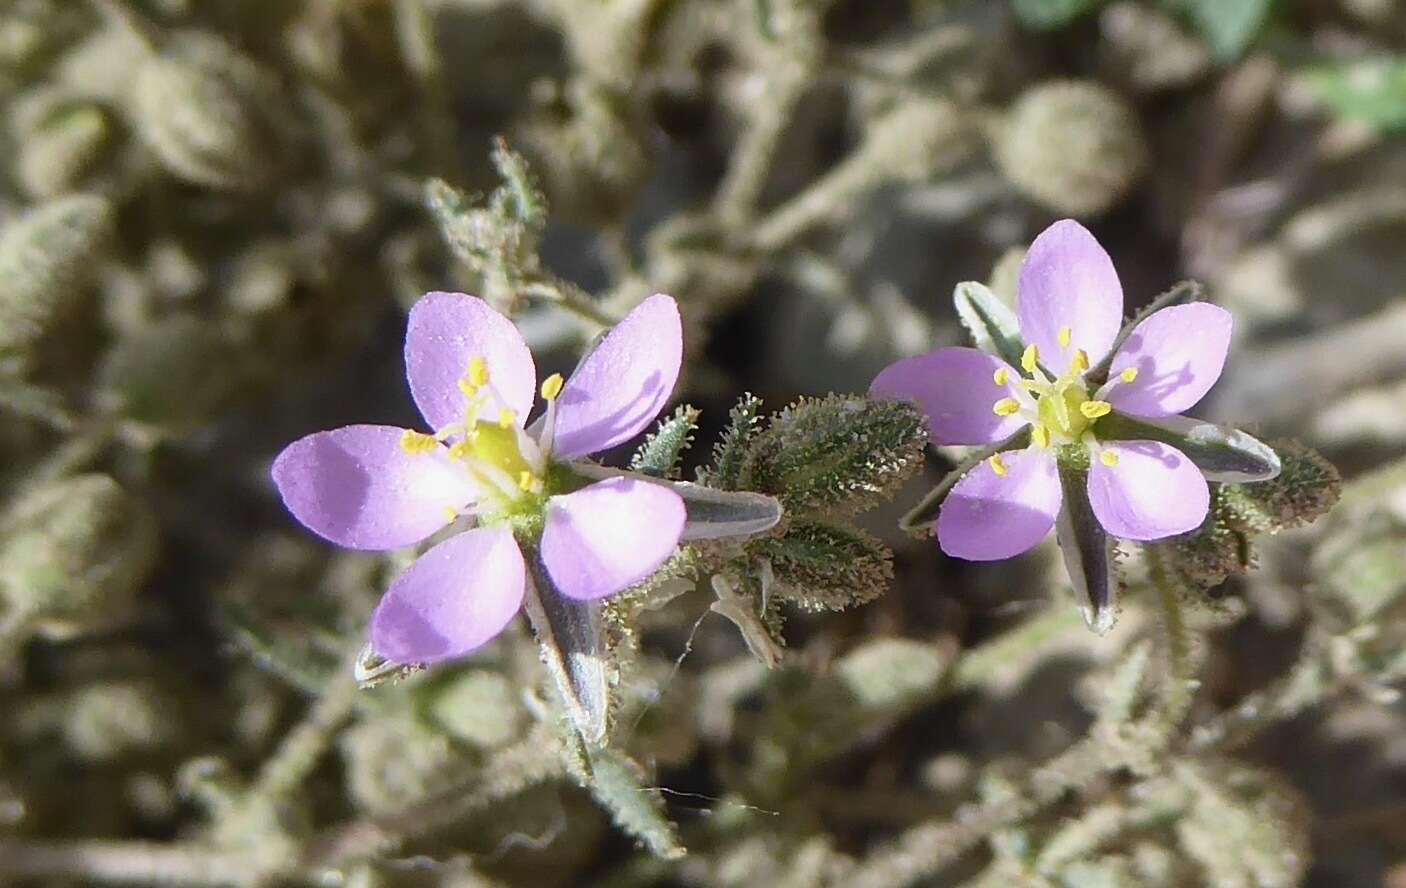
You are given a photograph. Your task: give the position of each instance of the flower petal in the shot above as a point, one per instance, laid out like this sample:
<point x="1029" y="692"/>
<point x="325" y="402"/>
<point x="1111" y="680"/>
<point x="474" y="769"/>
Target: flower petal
<point x="356" y="487"/>
<point x="453" y="599"/>
<point x="623" y="383"/>
<point x="605" y="537"/>
<point x="956" y="388"/>
<point x="988" y="516"/>
<point x="445" y="332"/>
<point x="1153" y="492"/>
<point x="1068" y="281"/>
<point x="1178" y="354"/>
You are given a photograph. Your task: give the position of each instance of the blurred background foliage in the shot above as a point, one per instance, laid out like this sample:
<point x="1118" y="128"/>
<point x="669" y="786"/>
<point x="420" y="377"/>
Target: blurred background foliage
<point x="213" y="214"/>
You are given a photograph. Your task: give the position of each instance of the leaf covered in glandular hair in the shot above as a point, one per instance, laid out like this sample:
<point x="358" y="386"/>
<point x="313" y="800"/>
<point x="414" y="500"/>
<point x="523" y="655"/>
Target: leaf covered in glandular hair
<point x="662" y="451"/>
<point x="730" y="453"/>
<point x="835" y="455"/>
<point x="1305" y="489"/>
<point x="820" y="566"/>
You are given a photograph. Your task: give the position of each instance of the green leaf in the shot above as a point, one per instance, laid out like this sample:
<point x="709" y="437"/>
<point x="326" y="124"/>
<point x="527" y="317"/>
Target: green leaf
<point x="1088" y="551"/>
<point x="1050" y="14"/>
<point x="992" y="325"/>
<point x="1222" y="454"/>
<point x="821" y="566"/>
<point x="1228" y="26"/>
<point x="731" y="450"/>
<point x="1370" y="90"/>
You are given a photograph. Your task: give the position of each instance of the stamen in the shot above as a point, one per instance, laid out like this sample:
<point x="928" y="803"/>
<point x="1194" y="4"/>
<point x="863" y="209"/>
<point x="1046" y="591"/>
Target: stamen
<point x="506" y="418"/>
<point x="450" y="513"/>
<point x="1108" y="458"/>
<point x="1006" y="407"/>
<point x="478" y="372"/>
<point x="997" y="465"/>
<point x="1095" y="409"/>
<point x="1002" y="376"/>
<point x="551" y="387"/>
<point x="528" y="482"/>
<point x="1128" y="375"/>
<point x="1031" y="359"/>
<point x="1065" y="335"/>
<point x="1040" y="435"/>
<point x="460" y="449"/>
<point x="1081" y="361"/>
<point x="412" y="441"/>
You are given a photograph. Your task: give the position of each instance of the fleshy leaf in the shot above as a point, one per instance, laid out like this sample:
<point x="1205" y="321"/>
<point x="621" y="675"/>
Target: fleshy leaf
<point x="570" y="634"/>
<point x="923" y="517"/>
<point x="1225" y="455"/>
<point x="1087" y="549"/>
<point x="992" y="325"/>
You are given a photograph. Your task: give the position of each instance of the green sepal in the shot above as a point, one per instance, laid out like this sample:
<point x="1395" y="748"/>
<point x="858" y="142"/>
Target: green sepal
<point x="921" y="519"/>
<point x="729" y="454"/>
<point x="710" y="514"/>
<point x="1087" y="549"/>
<point x="992" y="325"/>
<point x="661" y="452"/>
<point x="1222" y="454"/>
<point x="571" y="636"/>
<point x="1182" y="293"/>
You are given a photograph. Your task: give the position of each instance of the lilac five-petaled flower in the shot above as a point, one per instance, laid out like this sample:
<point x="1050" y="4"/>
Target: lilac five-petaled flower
<point x="472" y="376"/>
<point x="1070" y="311"/>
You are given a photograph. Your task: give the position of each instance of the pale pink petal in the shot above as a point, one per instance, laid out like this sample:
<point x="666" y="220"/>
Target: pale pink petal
<point x="455" y="598"/>
<point x="956" y="387"/>
<point x="1178" y="354"/>
<point x="358" y="488"/>
<point x="1068" y="281"/>
<point x="621" y="386"/>
<point x="1152" y="492"/>
<point x="988" y="516"/>
<point x="610" y="535"/>
<point x="445" y="332"/>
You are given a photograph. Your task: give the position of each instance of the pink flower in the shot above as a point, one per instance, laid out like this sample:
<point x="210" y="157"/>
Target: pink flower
<point x="1066" y="415"/>
<point x="472" y="376"/>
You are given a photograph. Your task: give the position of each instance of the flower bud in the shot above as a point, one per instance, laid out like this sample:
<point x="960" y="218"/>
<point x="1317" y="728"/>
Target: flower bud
<point x="1073" y="146"/>
<point x="46" y="258"/>
<point x="821" y="566"/>
<point x="74" y="553"/>
<point x="208" y="113"/>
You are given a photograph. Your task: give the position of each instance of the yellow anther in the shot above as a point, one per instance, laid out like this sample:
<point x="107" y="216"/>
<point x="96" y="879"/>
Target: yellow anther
<point x="1040" y="435"/>
<point x="1095" y="409"/>
<point x="506" y="418"/>
<point x="1065" y="335"/>
<point x="412" y="441"/>
<point x="450" y="513"/>
<point x="1002" y="376"/>
<point x="468" y="388"/>
<point x="478" y="372"/>
<point x="1081" y="360"/>
<point x="1031" y="359"/>
<point x="460" y="449"/>
<point x="1108" y="458"/>
<point x="551" y="387"/>
<point x="528" y="482"/>
<point x="1128" y="375"/>
<point x="1006" y="407"/>
<point x="997" y="465"/>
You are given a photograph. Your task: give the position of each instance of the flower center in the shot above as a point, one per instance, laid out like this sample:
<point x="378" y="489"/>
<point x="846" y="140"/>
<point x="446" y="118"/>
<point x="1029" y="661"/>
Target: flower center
<point x="1059" y="410"/>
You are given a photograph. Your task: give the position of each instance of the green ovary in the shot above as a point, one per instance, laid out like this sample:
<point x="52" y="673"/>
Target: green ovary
<point x="498" y="447"/>
<point x="1069" y="423"/>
